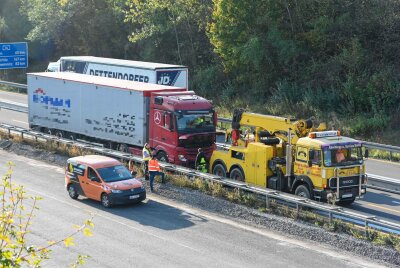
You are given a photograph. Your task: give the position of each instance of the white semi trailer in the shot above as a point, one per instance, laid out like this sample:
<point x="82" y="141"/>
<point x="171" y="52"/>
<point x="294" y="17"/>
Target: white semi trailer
<point x="147" y="72"/>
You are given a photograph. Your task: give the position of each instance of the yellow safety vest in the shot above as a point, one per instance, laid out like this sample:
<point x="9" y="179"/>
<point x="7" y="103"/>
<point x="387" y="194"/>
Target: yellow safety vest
<point x="146" y="154"/>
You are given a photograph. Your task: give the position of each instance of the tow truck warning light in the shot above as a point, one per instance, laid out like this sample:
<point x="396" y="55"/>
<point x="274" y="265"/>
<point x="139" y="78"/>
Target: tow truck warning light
<point x="323" y="134"/>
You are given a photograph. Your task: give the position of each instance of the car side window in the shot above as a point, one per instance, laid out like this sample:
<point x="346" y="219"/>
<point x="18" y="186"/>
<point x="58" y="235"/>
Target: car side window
<point x="92" y="175"/>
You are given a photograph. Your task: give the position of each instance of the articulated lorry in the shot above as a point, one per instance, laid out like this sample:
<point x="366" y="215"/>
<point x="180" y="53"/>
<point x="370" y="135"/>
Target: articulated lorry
<point x="122" y="114"/>
<point x="293" y="156"/>
<point x="139" y="71"/>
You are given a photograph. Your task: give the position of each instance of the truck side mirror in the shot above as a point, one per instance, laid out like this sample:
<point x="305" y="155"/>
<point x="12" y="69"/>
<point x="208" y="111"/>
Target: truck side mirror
<point x="168" y="121"/>
<point x="366" y="153"/>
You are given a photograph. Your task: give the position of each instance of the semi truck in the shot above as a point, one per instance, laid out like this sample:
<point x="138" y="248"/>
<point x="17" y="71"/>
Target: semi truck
<point x="139" y="71"/>
<point x="122" y="114"/>
<point x="292" y="156"/>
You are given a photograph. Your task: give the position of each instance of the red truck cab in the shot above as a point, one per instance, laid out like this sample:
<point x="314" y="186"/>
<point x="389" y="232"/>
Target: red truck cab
<point x="179" y="124"/>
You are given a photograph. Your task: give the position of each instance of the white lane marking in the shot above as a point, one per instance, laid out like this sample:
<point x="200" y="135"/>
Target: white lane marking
<point x="266" y="233"/>
<point x="113" y="220"/>
<point x="396" y="202"/>
<point x="22" y="122"/>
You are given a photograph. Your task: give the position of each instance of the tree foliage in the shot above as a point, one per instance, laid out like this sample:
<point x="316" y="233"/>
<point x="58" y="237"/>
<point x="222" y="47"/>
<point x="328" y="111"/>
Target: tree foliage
<point x="17" y="210"/>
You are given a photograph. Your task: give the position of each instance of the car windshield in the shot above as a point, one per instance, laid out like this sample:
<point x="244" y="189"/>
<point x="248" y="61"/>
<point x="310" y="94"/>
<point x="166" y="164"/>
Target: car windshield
<point x="195" y="122"/>
<point x="342" y="156"/>
<point x="114" y="173"/>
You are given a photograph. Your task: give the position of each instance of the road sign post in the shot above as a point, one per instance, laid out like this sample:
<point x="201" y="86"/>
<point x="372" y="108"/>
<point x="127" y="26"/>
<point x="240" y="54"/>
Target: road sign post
<point x="13" y="55"/>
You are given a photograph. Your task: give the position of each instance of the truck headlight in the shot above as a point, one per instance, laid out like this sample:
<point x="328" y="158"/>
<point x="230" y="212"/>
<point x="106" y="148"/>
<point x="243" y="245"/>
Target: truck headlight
<point x="182" y="158"/>
<point x="115" y="191"/>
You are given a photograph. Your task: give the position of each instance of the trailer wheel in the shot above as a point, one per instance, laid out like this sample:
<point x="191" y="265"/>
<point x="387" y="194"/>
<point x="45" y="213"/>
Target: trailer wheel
<point x="59" y="134"/>
<point x="346" y="202"/>
<point x="302" y="191"/>
<point x="162" y="157"/>
<point x="123" y="148"/>
<point x="219" y="170"/>
<point x="237" y="174"/>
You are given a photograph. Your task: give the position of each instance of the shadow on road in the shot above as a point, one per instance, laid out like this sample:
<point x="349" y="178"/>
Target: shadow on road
<point x="151" y="213"/>
<point x="383" y="199"/>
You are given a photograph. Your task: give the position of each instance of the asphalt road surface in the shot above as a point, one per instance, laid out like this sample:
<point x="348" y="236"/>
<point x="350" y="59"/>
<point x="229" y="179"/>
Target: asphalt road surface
<point x="157" y="233"/>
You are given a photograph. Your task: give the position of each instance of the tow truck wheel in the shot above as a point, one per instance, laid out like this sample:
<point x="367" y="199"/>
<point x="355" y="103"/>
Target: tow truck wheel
<point x="105" y="200"/>
<point x="237" y="174"/>
<point x="346" y="202"/>
<point x="219" y="170"/>
<point x="302" y="191"/>
<point x="72" y="192"/>
<point x="162" y="157"/>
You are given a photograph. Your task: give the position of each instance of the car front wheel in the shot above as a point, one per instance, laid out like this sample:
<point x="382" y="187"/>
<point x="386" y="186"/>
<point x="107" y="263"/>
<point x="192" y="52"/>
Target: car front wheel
<point x="105" y="200"/>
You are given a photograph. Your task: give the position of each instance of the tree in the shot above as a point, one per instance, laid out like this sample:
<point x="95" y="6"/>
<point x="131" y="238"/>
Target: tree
<point x="16" y="215"/>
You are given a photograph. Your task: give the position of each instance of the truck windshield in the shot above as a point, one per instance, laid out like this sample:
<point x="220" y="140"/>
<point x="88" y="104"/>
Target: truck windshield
<point x="115" y="173"/>
<point x="342" y="156"/>
<point x="190" y="122"/>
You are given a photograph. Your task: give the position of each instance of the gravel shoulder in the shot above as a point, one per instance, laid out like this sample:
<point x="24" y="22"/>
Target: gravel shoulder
<point x="282" y="225"/>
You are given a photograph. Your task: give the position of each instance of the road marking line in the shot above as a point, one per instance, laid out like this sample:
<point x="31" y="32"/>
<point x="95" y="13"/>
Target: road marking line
<point x="388" y="209"/>
<point x="396" y="202"/>
<point x="22" y="122"/>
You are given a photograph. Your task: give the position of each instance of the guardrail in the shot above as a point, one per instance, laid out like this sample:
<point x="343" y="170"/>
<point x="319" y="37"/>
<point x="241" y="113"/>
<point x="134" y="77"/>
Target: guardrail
<point x="383" y="184"/>
<point x="13" y="106"/>
<point x="330" y="211"/>
<point x="11" y="84"/>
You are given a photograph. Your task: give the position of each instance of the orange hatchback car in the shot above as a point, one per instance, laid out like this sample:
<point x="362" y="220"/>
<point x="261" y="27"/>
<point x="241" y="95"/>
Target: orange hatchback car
<point x="102" y="178"/>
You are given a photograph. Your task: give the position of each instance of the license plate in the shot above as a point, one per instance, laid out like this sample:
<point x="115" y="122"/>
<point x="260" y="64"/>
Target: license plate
<point x="347" y="195"/>
<point x="134" y="196"/>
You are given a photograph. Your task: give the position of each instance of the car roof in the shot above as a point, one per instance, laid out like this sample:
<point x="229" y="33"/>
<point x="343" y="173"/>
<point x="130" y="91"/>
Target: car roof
<point x="95" y="161"/>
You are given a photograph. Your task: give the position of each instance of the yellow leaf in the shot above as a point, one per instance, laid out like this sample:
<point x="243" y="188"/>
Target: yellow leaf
<point x="89" y="223"/>
<point x="87" y="232"/>
<point x="69" y="241"/>
<point x="52" y="242"/>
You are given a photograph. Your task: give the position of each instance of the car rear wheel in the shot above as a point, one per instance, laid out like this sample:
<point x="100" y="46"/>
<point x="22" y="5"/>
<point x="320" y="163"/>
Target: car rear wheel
<point x="73" y="193"/>
<point x="219" y="170"/>
<point x="105" y="200"/>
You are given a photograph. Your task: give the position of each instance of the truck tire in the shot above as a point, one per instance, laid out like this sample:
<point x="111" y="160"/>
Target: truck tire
<point x="219" y="170"/>
<point x="236" y="174"/>
<point x="346" y="202"/>
<point x="303" y="191"/>
<point x="123" y="148"/>
<point x="72" y="192"/>
<point x="162" y="157"/>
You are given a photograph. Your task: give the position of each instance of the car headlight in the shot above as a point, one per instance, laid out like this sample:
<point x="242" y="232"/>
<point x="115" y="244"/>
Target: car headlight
<point x="115" y="191"/>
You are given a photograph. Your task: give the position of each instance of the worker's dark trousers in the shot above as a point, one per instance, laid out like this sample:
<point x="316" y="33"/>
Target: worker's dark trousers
<point x="146" y="170"/>
<point x="152" y="175"/>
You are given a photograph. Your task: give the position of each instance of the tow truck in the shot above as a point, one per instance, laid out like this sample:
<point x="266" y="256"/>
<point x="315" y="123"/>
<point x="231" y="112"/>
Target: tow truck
<point x="292" y="156"/>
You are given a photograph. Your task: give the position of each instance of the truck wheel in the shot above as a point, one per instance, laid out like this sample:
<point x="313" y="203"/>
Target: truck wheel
<point x="302" y="191"/>
<point x="123" y="148"/>
<point x="60" y="134"/>
<point x="73" y="193"/>
<point x="219" y="170"/>
<point x="346" y="202"/>
<point x="105" y="200"/>
<point x="162" y="157"/>
<point x="237" y="174"/>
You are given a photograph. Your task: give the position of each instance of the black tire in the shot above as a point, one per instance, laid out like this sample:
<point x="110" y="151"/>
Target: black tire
<point x="162" y="157"/>
<point x="59" y="134"/>
<point x="123" y="148"/>
<point x="346" y="202"/>
<point x="105" y="200"/>
<point x="219" y="170"/>
<point x="237" y="174"/>
<point x="72" y="192"/>
<point x="302" y="191"/>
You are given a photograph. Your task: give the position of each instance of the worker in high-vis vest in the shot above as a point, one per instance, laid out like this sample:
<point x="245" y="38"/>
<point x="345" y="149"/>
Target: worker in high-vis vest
<point x="146" y="158"/>
<point x="201" y="161"/>
<point x="154" y="170"/>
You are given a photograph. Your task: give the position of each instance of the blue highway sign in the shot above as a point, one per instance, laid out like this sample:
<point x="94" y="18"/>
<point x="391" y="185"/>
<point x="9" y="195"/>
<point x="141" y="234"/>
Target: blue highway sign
<point x="13" y="55"/>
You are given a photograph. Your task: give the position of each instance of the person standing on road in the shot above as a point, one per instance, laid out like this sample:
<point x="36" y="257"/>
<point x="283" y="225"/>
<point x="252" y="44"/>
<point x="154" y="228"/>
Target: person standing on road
<point x="146" y="158"/>
<point x="154" y="170"/>
<point x="201" y="161"/>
